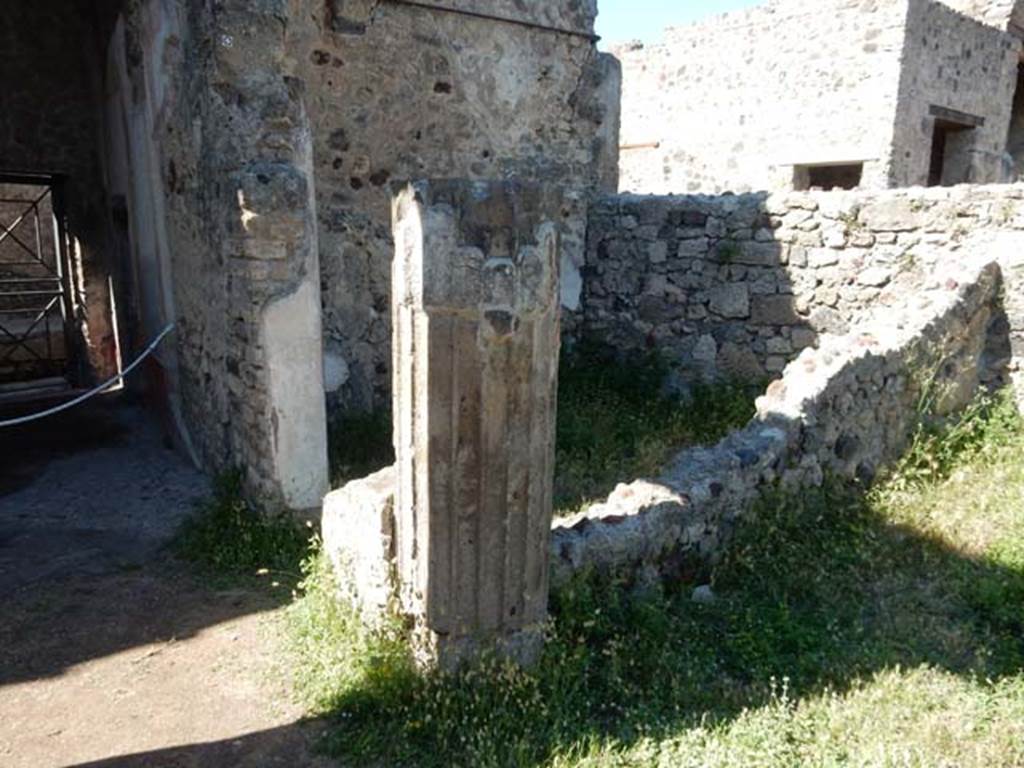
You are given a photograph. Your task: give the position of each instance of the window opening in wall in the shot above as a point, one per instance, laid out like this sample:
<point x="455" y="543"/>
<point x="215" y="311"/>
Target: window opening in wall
<point x="952" y="147"/>
<point x="35" y="300"/>
<point x="828" y="176"/>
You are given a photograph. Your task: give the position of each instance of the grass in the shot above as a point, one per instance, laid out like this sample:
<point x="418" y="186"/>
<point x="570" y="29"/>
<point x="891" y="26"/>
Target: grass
<point x="614" y="425"/>
<point x="231" y="541"/>
<point x="880" y="627"/>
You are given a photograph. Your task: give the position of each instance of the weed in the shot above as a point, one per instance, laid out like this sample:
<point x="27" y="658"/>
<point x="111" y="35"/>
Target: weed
<point x="728" y="251"/>
<point x="849" y="628"/>
<point x="907" y="261"/>
<point x="614" y="425"/>
<point x="1005" y="213"/>
<point x="339" y="656"/>
<point x="229" y="538"/>
<point x="851" y="220"/>
<point x="987" y="423"/>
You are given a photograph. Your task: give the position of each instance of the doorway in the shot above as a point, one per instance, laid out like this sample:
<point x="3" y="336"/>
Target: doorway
<point x="952" y="152"/>
<point x="36" y="305"/>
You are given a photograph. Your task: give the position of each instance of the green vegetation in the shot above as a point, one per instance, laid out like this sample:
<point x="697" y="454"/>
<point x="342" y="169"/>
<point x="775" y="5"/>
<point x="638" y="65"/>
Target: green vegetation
<point x="230" y="540"/>
<point x="615" y="426"/>
<point x="851" y="627"/>
<point x="728" y="251"/>
<point x="339" y="660"/>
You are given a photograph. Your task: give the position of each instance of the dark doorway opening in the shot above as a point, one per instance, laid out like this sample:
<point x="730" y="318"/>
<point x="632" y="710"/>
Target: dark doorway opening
<point x="36" y="283"/>
<point x="1015" y="140"/>
<point x="952" y="147"/>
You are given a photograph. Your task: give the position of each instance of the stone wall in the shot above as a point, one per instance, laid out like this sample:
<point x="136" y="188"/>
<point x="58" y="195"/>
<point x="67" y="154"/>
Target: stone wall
<point x="738" y="286"/>
<point x="732" y="103"/>
<point x="847" y="409"/>
<point x="215" y="163"/>
<point x="398" y="92"/>
<point x="834" y="82"/>
<point x="957" y="63"/>
<point x="252" y="141"/>
<point x="953" y="329"/>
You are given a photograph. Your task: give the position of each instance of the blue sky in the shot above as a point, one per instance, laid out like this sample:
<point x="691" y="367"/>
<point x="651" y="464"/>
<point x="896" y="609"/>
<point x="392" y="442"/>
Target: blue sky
<point x="645" y="19"/>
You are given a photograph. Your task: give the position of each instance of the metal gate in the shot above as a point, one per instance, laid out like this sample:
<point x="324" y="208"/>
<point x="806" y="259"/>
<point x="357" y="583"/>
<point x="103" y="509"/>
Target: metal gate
<point x="35" y="300"/>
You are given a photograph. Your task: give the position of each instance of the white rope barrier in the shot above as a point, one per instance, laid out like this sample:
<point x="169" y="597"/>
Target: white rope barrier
<point x="93" y="392"/>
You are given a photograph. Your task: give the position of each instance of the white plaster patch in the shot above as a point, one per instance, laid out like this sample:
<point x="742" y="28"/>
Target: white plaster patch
<point x="294" y="354"/>
<point x="571" y="285"/>
<point x="336" y="371"/>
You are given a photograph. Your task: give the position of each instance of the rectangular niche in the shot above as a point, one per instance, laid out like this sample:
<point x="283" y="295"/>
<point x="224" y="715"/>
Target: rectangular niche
<point x="828" y="176"/>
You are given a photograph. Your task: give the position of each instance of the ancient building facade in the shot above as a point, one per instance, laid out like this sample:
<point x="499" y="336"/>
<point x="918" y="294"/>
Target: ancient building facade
<point x="399" y="91"/>
<point x="838" y="93"/>
<point x="232" y="164"/>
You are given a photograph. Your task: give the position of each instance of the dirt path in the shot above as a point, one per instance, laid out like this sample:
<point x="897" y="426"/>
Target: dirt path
<point x="111" y="653"/>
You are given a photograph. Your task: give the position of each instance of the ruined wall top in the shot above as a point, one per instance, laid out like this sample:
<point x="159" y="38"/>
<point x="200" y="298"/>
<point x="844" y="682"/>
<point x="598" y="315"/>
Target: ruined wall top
<point x="1005" y="14"/>
<point x="577" y="16"/>
<point x="570" y="15"/>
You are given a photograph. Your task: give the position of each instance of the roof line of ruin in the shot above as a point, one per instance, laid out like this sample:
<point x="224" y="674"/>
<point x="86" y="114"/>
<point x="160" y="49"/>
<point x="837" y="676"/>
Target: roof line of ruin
<point x="503" y="19"/>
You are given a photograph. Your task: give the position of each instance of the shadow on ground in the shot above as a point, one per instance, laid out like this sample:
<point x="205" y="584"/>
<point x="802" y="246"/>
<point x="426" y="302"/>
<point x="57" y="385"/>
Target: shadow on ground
<point x="27" y="449"/>
<point x="56" y="625"/>
<point x="108" y="643"/>
<point x="822" y="592"/>
<point x="273" y="747"/>
<point x="89" y="503"/>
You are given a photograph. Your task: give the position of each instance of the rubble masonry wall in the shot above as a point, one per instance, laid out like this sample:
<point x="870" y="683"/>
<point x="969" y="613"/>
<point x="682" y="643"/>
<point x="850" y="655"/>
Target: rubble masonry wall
<point x="400" y="93"/>
<point x="737" y="286"/>
<point x="846" y="409"/>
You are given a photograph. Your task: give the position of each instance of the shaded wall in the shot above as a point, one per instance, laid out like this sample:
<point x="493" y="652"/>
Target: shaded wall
<point x="740" y="285"/>
<point x="216" y="169"/>
<point x="846" y="410"/>
<point x="50" y="122"/>
<point x="397" y="93"/>
<point x="251" y="141"/>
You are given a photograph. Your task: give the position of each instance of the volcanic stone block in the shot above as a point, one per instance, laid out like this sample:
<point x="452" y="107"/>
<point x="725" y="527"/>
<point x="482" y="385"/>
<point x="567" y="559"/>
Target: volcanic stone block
<point x="475" y="310"/>
<point x="358" y="534"/>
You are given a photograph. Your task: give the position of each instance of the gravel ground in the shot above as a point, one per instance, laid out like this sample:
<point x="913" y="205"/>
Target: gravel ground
<point x="91" y="493"/>
<point x="112" y="653"/>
